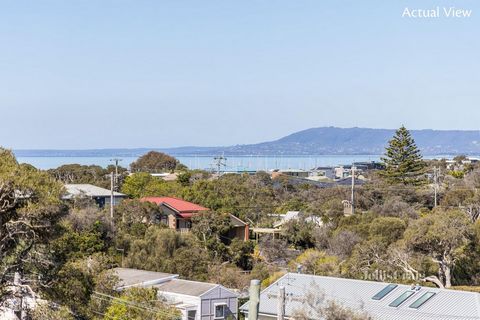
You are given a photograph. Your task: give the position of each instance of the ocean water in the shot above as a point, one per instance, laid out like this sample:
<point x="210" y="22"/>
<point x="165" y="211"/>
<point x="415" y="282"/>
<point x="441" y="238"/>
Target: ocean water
<point x="234" y="163"/>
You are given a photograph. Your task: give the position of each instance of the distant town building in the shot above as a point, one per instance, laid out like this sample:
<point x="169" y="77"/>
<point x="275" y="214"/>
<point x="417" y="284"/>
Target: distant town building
<point x="327" y="172"/>
<point x="459" y="165"/>
<point x="101" y="196"/>
<point x="295" y="172"/>
<point x="166" y="176"/>
<point x="195" y="300"/>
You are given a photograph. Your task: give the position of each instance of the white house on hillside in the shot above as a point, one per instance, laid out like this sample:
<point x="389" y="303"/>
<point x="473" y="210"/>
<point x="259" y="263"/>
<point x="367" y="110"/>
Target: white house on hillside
<point x="101" y="196"/>
<point x="195" y="300"/>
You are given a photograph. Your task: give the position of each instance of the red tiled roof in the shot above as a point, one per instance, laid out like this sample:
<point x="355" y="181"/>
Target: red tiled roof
<point x="179" y="205"/>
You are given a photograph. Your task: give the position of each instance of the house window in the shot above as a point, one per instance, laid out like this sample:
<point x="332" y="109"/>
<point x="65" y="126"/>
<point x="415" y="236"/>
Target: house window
<point x="163" y="219"/>
<point x="191" y="314"/>
<point x="220" y="310"/>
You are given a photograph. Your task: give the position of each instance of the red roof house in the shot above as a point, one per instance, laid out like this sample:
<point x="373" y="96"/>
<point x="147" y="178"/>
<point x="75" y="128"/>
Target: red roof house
<point x="183" y="208"/>
<point x="180" y="212"/>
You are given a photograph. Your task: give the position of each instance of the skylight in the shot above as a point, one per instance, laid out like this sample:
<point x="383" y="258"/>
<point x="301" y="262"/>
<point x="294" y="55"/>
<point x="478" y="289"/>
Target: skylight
<point x="401" y="299"/>
<point x="420" y="301"/>
<point x="380" y="295"/>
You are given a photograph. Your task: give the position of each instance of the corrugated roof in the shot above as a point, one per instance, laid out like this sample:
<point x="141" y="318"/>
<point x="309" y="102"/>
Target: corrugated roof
<point x="89" y="190"/>
<point x="186" y="287"/>
<point x="295" y="215"/>
<point x="179" y="205"/>
<point x="135" y="277"/>
<point x="236" y="222"/>
<point x="357" y="294"/>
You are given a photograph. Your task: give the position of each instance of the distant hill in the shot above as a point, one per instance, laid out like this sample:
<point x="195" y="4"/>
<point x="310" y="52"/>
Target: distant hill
<point x="314" y="141"/>
<point x="332" y="140"/>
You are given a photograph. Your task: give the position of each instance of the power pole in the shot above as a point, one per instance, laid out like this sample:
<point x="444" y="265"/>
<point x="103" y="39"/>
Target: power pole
<point x="220" y="161"/>
<point x="281" y="304"/>
<point x="281" y="301"/>
<point x="111" y="196"/>
<point x="254" y="303"/>
<point x="352" y="200"/>
<point x="116" y="161"/>
<point x="436" y="173"/>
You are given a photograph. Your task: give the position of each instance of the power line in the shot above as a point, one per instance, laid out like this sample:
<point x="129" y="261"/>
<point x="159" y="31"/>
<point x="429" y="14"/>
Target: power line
<point x="138" y="306"/>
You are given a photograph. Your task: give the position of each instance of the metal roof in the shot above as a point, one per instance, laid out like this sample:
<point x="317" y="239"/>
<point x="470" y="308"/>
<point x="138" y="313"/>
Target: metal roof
<point x="236" y="222"/>
<point x="135" y="277"/>
<point x="186" y="287"/>
<point x="294" y="215"/>
<point x="357" y="295"/>
<point x="176" y="204"/>
<point x="89" y="190"/>
<point x="164" y="282"/>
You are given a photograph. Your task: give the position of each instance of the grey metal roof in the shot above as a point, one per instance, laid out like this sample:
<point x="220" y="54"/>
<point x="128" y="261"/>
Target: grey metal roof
<point x="135" y="277"/>
<point x="237" y="222"/>
<point x="357" y="294"/>
<point x="89" y="190"/>
<point x="294" y="215"/>
<point x="186" y="287"/>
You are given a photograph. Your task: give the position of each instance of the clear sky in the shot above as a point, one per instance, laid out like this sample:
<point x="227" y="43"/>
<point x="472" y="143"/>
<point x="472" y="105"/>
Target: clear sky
<point x="102" y="74"/>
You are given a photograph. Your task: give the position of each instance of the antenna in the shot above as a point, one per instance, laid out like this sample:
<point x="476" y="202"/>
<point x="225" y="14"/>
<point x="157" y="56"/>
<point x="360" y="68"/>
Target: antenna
<point x="219" y="162"/>
<point x="116" y="161"/>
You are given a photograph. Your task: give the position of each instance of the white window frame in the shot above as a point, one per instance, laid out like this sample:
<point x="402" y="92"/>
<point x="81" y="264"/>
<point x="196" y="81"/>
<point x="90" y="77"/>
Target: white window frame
<point x="224" y="305"/>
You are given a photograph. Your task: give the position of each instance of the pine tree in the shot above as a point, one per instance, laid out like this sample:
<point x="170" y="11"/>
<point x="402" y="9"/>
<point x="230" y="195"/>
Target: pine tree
<point x="403" y="161"/>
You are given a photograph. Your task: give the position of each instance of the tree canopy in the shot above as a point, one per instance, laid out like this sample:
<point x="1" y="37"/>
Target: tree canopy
<point x="140" y="304"/>
<point x="154" y="162"/>
<point x="403" y="161"/>
<point x="30" y="208"/>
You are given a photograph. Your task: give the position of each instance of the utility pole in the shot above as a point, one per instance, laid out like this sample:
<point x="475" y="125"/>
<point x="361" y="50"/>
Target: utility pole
<point x="220" y="161"/>
<point x="116" y="161"/>
<point x="281" y="304"/>
<point x="436" y="173"/>
<point x="254" y="303"/>
<point x="352" y="200"/>
<point x="111" y="196"/>
<point x="281" y="301"/>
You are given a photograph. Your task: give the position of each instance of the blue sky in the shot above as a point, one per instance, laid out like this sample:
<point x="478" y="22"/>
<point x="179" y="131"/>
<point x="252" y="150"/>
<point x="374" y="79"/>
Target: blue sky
<point x="102" y="74"/>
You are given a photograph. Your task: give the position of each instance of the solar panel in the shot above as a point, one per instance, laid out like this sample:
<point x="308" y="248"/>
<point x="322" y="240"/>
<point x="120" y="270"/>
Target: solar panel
<point x="401" y="299"/>
<point x="420" y="301"/>
<point x="380" y="295"/>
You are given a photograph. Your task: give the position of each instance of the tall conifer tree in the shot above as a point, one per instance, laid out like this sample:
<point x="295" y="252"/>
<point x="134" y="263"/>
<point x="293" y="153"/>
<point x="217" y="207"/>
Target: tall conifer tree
<point x="403" y="161"/>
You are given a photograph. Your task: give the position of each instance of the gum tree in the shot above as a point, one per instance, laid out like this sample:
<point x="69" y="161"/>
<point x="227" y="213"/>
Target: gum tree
<point x="30" y="207"/>
<point x="443" y="237"/>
